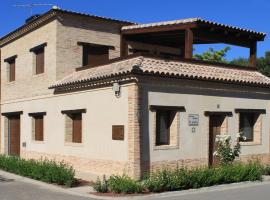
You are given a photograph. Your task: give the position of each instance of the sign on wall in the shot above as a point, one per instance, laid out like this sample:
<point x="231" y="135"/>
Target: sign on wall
<point x="193" y="120"/>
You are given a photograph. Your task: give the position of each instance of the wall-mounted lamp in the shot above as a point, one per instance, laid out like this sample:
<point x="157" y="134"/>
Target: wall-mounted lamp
<point x="116" y="88"/>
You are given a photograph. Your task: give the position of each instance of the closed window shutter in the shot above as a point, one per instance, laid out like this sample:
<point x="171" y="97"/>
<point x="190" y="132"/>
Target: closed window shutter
<point x="40" y="61"/>
<point x="12" y="71"/>
<point x="77" y="128"/>
<point x="38" y="128"/>
<point x="95" y="55"/>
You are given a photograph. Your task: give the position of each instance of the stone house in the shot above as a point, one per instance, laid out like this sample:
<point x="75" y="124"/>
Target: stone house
<point x="111" y="96"/>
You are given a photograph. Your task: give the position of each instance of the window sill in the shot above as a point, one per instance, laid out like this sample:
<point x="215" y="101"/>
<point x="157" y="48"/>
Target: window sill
<point x="166" y="147"/>
<point x="250" y="143"/>
<point x="38" y="75"/>
<point x="72" y="144"/>
<point x="38" y="142"/>
<point x="10" y="82"/>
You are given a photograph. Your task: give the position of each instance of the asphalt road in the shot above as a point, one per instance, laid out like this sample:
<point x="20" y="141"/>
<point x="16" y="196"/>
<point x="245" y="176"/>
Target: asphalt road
<point x="18" y="188"/>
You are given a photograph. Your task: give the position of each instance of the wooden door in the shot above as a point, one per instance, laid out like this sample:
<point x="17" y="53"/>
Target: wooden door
<point x="215" y="122"/>
<point x="14" y="135"/>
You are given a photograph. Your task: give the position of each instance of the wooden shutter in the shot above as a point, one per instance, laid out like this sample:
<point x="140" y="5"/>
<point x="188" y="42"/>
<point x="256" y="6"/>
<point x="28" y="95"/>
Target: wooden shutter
<point x="12" y="70"/>
<point x="38" y="128"/>
<point x="118" y="132"/>
<point x="95" y="55"/>
<point x="77" y="128"/>
<point x="40" y="61"/>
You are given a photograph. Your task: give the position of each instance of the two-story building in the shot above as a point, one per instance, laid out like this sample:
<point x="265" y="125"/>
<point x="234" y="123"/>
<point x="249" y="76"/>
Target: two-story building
<point x="110" y="96"/>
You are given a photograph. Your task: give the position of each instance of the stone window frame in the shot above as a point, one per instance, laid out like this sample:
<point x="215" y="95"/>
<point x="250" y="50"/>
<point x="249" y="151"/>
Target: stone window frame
<point x="68" y="127"/>
<point x="175" y="135"/>
<point x="33" y="115"/>
<point x="257" y="134"/>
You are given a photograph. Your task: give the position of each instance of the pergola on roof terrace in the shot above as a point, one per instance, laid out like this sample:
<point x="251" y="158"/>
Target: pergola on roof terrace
<point x="186" y="32"/>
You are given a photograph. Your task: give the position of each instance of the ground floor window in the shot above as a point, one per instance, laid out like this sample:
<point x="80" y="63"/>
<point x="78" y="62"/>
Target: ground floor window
<point x="37" y="126"/>
<point x="164" y="120"/>
<point x="73" y="125"/>
<point x="247" y="122"/>
<point x="166" y="125"/>
<point x="250" y="124"/>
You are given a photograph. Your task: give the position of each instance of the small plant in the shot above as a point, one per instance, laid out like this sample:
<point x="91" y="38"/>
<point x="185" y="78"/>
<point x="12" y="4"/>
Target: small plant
<point x="228" y="150"/>
<point x="44" y="170"/>
<point x="124" y="184"/>
<point x="266" y="170"/>
<point x="101" y="186"/>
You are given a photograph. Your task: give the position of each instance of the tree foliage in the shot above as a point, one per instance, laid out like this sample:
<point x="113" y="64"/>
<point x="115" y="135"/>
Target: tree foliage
<point x="263" y="63"/>
<point x="213" y="55"/>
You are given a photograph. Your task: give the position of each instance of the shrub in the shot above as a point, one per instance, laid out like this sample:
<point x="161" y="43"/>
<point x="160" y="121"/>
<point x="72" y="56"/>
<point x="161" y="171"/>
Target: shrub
<point x="124" y="184"/>
<point x="44" y="170"/>
<point x="266" y="170"/>
<point x="228" y="149"/>
<point x="101" y="186"/>
<point x="181" y="179"/>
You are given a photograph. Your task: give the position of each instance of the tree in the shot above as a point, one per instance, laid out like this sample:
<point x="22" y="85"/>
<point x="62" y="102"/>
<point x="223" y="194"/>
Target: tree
<point x="263" y="63"/>
<point x="213" y="55"/>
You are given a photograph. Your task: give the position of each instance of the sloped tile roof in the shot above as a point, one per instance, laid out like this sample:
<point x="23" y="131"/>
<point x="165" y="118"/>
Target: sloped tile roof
<point x="170" y="68"/>
<point x="185" y="21"/>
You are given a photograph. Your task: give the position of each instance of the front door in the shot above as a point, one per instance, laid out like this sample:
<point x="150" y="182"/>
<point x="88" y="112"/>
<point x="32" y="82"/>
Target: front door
<point x="215" y="122"/>
<point x="14" y="135"/>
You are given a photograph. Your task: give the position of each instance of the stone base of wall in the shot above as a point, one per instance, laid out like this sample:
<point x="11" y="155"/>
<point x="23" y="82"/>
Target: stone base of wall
<point x="176" y="164"/>
<point x="263" y="158"/>
<point x="89" y="169"/>
<point x="189" y="163"/>
<point x="85" y="168"/>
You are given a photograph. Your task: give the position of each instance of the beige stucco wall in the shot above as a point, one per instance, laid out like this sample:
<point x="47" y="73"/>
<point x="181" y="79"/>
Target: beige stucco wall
<point x="103" y="111"/>
<point x="198" y="98"/>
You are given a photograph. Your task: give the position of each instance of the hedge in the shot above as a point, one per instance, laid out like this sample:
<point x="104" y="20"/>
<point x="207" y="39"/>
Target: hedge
<point x="44" y="170"/>
<point x="182" y="179"/>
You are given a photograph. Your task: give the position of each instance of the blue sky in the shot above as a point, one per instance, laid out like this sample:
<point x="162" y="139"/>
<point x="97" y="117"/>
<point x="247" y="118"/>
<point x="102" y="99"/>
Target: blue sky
<point x="250" y="14"/>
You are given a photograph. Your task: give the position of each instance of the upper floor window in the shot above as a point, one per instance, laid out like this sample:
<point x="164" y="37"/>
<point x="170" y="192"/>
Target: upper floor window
<point x="94" y="54"/>
<point x="11" y="68"/>
<point x="39" y="59"/>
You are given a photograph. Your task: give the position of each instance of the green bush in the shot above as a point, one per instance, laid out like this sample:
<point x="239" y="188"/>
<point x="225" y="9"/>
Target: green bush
<point x="181" y="179"/>
<point x="44" y="170"/>
<point x="101" y="186"/>
<point x="266" y="170"/>
<point x="124" y="184"/>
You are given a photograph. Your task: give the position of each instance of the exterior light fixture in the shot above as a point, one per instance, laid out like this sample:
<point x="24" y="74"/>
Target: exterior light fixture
<point x="116" y="89"/>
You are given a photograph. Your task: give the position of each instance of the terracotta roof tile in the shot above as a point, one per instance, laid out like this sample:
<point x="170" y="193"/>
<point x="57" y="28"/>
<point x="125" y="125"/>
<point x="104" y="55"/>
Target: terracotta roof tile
<point x="157" y="66"/>
<point x="185" y="21"/>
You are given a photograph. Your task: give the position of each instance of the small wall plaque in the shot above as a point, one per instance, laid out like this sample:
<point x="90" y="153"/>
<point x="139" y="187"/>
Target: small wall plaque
<point x="193" y="120"/>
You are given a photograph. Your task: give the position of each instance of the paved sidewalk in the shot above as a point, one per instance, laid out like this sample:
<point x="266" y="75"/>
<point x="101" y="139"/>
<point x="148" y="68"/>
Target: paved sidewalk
<point x="13" y="187"/>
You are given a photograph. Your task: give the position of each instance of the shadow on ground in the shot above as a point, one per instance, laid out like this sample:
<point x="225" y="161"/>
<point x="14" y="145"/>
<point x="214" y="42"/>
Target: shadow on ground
<point x="3" y="179"/>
